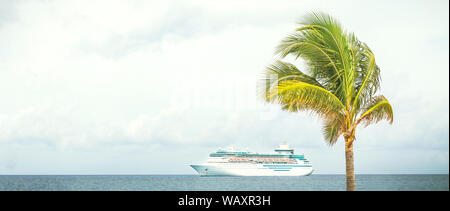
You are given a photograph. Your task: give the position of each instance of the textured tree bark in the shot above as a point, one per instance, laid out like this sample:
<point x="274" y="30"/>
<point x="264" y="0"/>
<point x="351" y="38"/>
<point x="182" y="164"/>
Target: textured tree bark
<point x="349" y="165"/>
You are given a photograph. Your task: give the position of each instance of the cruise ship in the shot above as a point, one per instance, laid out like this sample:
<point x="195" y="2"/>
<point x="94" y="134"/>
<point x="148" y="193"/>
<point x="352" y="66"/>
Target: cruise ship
<point x="231" y="162"/>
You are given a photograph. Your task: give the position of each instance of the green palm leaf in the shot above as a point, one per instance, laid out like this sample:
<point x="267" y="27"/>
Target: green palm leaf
<point x="378" y="108"/>
<point x="296" y="95"/>
<point x="332" y="129"/>
<point x="285" y="71"/>
<point x="367" y="76"/>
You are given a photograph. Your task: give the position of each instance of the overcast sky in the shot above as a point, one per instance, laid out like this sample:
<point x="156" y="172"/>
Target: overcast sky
<point x="149" y="87"/>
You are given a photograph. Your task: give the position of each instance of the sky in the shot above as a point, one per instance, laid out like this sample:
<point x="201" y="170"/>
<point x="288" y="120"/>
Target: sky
<point x="150" y="87"/>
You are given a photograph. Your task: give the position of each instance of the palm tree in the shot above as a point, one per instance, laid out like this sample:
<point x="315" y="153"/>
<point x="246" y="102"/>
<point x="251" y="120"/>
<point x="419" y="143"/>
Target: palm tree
<point x="339" y="82"/>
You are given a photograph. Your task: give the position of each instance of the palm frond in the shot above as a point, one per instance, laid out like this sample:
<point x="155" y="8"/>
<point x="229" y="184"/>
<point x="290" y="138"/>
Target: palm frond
<point x="367" y="76"/>
<point x="332" y="129"/>
<point x="296" y="95"/>
<point x="283" y="71"/>
<point x="378" y="108"/>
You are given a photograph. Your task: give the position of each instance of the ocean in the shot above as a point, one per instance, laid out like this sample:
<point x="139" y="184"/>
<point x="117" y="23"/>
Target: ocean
<point x="367" y="182"/>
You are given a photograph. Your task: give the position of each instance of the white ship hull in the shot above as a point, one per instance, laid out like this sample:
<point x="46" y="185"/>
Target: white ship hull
<point x="228" y="169"/>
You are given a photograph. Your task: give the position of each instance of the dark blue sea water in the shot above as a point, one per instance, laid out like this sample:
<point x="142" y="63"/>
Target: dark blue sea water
<point x="194" y="182"/>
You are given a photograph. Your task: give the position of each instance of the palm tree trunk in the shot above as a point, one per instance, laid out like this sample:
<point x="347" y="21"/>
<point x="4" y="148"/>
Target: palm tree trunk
<point x="349" y="165"/>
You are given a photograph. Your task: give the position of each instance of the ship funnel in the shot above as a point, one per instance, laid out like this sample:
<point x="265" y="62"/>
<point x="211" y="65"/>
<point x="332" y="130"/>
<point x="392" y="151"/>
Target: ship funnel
<point x="284" y="145"/>
<point x="284" y="149"/>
